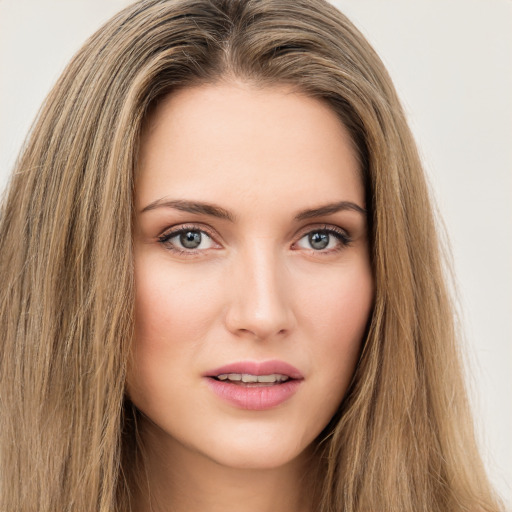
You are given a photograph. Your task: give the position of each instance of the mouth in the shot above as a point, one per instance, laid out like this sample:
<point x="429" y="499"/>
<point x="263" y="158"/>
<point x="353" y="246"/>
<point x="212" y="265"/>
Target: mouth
<point x="249" y="380"/>
<point x="255" y="385"/>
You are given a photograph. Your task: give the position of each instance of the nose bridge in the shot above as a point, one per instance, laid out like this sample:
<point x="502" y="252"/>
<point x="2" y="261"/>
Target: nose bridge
<point x="261" y="299"/>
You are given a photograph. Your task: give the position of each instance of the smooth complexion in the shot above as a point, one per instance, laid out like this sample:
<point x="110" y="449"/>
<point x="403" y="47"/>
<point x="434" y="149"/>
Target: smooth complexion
<point x="251" y="249"/>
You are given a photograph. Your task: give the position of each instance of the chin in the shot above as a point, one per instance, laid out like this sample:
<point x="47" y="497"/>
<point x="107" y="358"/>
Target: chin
<point x="256" y="459"/>
<point x="256" y="450"/>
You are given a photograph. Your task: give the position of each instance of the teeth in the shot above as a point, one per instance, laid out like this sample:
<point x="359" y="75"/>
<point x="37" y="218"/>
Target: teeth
<point x="247" y="377"/>
<point x="270" y="378"/>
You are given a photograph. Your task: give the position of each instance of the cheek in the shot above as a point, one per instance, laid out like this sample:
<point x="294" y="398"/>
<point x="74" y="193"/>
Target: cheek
<point x="172" y="304"/>
<point x="338" y="303"/>
<point x="172" y="315"/>
<point x="337" y="314"/>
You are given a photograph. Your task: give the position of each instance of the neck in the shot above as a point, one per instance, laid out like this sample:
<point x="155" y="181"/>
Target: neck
<point x="178" y="480"/>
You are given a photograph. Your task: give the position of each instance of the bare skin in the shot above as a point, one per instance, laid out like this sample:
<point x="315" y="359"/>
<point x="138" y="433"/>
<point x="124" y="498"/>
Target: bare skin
<point x="251" y="250"/>
<point x="196" y="483"/>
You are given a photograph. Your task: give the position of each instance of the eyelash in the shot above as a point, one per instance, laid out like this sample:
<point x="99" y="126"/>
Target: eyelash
<point x="168" y="235"/>
<point x="341" y="235"/>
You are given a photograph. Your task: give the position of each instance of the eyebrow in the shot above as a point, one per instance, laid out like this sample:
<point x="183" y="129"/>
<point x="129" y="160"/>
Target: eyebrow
<point x="329" y="209"/>
<point x="221" y="213"/>
<point x="190" y="207"/>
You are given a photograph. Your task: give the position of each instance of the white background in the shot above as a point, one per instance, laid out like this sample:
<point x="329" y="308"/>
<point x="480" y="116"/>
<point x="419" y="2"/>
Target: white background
<point x="451" y="61"/>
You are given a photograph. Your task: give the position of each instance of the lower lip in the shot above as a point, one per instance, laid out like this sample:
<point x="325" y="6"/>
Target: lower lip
<point x="254" y="398"/>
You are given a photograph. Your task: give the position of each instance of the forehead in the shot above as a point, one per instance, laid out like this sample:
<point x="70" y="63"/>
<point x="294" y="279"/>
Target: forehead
<point x="236" y="141"/>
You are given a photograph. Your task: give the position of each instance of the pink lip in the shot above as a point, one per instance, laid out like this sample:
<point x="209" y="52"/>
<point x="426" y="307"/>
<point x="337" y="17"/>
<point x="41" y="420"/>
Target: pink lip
<point x="257" y="368"/>
<point x="256" y="398"/>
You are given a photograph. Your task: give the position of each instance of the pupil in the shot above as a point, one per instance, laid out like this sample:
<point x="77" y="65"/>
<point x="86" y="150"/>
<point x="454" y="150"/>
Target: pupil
<point x="190" y="239"/>
<point x="319" y="240"/>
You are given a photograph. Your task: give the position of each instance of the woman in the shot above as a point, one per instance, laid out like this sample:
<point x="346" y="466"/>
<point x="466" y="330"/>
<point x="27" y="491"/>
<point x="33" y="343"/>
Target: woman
<point x="222" y="284"/>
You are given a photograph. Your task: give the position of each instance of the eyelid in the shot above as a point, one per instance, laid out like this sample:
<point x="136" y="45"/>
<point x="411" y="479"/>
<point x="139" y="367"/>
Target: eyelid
<point x="177" y="229"/>
<point x="341" y="234"/>
<point x="322" y="227"/>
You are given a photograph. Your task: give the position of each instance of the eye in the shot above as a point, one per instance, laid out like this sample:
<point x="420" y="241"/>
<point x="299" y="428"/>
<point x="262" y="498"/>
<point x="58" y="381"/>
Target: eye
<point x="326" y="239"/>
<point x="187" y="239"/>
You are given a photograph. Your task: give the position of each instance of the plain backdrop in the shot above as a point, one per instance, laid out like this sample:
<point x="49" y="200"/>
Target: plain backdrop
<point x="451" y="61"/>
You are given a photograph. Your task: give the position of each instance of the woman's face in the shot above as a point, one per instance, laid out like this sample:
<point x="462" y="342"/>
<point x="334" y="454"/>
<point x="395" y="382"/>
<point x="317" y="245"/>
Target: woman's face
<point x="252" y="270"/>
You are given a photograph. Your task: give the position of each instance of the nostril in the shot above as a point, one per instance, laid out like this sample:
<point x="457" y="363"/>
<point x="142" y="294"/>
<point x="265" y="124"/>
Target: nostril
<point x="260" y="333"/>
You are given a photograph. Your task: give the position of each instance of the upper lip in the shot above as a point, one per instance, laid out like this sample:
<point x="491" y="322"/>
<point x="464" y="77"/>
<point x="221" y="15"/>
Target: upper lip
<point x="257" y="368"/>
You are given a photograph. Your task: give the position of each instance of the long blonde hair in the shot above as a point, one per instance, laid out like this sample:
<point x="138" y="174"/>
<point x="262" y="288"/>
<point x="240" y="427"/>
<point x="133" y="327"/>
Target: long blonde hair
<point x="403" y="437"/>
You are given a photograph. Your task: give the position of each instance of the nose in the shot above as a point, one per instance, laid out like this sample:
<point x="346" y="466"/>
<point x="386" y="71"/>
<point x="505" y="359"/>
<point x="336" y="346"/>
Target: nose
<point x="261" y="297"/>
